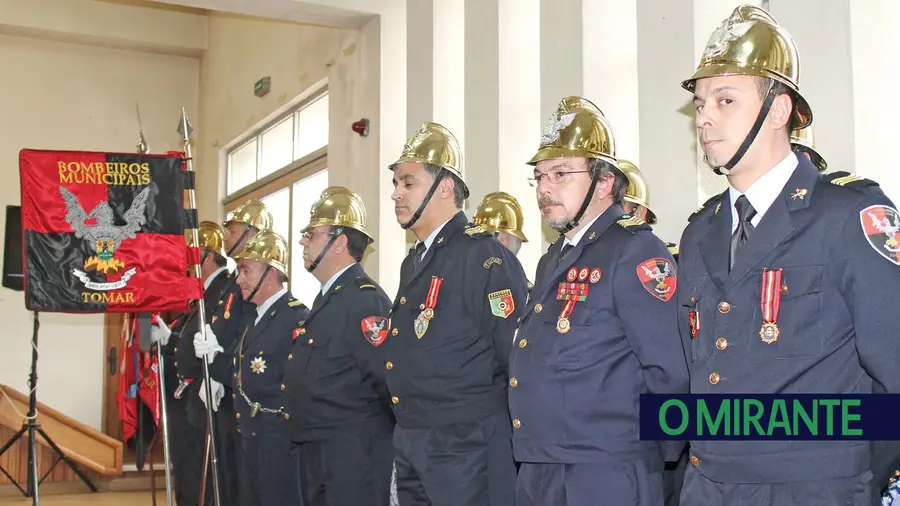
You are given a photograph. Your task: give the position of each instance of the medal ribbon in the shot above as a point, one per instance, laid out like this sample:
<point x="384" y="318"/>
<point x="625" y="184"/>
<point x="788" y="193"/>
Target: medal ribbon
<point x="694" y="322"/>
<point x="771" y="295"/>
<point x="567" y="309"/>
<point x="228" y="304"/>
<point x="433" y="290"/>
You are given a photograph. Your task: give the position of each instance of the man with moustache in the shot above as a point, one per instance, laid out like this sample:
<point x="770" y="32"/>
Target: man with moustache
<point x="336" y="397"/>
<point x="826" y="253"/>
<point x="601" y="329"/>
<point x="187" y="416"/>
<point x="452" y="325"/>
<point x="270" y="464"/>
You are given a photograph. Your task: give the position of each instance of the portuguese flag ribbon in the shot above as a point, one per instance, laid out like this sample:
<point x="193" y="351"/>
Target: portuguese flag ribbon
<point x="105" y="232"/>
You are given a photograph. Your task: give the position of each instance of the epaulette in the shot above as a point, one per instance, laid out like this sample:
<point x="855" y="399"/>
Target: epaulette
<point x="673" y="248"/>
<point x="632" y="223"/>
<point x="849" y="180"/>
<point x="294" y="303"/>
<point x="704" y="206"/>
<point x="365" y="283"/>
<point x="473" y="230"/>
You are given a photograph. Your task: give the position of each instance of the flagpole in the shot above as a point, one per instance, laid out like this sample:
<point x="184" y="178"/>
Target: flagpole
<point x="185" y="129"/>
<point x="143" y="148"/>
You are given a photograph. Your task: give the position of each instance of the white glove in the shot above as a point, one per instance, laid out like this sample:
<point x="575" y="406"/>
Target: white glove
<point x="159" y="332"/>
<point x="217" y="391"/>
<point x="207" y="347"/>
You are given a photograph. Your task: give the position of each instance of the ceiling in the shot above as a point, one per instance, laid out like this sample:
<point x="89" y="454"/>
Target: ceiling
<point x="316" y="12"/>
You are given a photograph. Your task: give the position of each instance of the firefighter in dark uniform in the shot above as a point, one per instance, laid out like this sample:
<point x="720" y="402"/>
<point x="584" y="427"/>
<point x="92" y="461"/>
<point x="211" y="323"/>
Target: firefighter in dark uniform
<point x="600" y="330"/>
<point x="885" y="454"/>
<point x="637" y="203"/>
<point x="187" y="416"/>
<point x="231" y="314"/>
<point x="334" y="379"/>
<point x="828" y="254"/>
<point x="453" y="321"/>
<point x="270" y="464"/>
<point x="501" y="213"/>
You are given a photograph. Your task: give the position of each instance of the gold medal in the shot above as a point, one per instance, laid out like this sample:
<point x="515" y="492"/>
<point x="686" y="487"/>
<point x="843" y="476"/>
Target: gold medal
<point x="428" y="313"/>
<point x="227" y="314"/>
<point x="563" y="325"/>
<point x="769" y="332"/>
<point x="420" y="325"/>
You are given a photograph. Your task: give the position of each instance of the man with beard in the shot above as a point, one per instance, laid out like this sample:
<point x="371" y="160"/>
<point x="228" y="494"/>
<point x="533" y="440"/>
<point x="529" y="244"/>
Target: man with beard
<point x="452" y="324"/>
<point x="336" y="397"/>
<point x="601" y="329"/>
<point x="788" y="281"/>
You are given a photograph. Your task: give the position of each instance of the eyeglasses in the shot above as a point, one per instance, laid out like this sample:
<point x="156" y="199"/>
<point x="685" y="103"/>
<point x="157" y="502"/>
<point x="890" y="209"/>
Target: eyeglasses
<point x="308" y="236"/>
<point x="555" y="177"/>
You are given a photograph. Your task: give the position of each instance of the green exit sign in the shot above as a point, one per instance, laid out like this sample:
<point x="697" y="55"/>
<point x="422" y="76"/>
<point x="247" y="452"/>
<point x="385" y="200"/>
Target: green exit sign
<point x="262" y="87"/>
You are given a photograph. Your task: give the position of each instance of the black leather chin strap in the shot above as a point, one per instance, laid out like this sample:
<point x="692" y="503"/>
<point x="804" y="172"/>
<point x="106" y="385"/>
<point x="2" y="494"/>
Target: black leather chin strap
<point x="418" y="214"/>
<point x="319" y="258"/>
<point x="258" y="283"/>
<point x="751" y="136"/>
<point x="241" y="238"/>
<point x="584" y="205"/>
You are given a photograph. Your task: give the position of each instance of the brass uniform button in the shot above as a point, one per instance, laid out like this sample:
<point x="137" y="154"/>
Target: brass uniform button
<point x="389" y="365"/>
<point x="286" y="416"/>
<point x="282" y="387"/>
<point x="784" y="289"/>
<point x="175" y="350"/>
<point x="176" y="363"/>
<point x="714" y="378"/>
<point x="302" y="331"/>
<point x="395" y="332"/>
<point x="721" y="343"/>
<point x="538" y="308"/>
<point x="693" y="300"/>
<point x="237" y="415"/>
<point x="517" y="423"/>
<point x="403" y="300"/>
<point x="694" y="460"/>
<point x="290" y="356"/>
<point x="234" y="396"/>
<point x="395" y="399"/>
<point x="523" y="343"/>
<point x="513" y="382"/>
<point x="724" y="307"/>
<point x="310" y="341"/>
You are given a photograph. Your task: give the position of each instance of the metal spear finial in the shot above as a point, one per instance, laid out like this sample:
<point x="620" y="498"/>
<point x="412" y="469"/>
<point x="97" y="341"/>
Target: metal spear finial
<point x="184" y="126"/>
<point x="142" y="146"/>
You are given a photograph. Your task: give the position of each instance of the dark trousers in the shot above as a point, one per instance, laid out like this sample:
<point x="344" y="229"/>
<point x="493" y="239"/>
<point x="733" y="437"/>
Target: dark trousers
<point x="353" y="468"/>
<point x="186" y="449"/>
<point x="228" y="453"/>
<point x="617" y="483"/>
<point x="469" y="464"/>
<point x="673" y="479"/>
<point x="698" y="490"/>
<point x="270" y="469"/>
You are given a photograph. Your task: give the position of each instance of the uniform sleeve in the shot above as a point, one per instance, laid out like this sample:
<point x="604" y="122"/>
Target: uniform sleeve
<point x="645" y="300"/>
<point x="868" y="255"/>
<point x="367" y="329"/>
<point x="497" y="294"/>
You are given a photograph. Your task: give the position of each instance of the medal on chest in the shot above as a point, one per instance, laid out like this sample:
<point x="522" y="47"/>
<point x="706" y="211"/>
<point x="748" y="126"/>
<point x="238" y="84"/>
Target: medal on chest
<point x="420" y="325"/>
<point x="258" y="365"/>
<point x="572" y="293"/>
<point x="770" y="304"/>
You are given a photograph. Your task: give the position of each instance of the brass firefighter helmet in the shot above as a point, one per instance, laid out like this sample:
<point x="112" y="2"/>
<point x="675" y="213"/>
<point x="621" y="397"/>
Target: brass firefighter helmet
<point x="436" y="145"/>
<point x="803" y="140"/>
<point x="253" y="213"/>
<point x="638" y="192"/>
<point x="500" y="212"/>
<point x="267" y="247"/>
<point x="750" y="42"/>
<point x="339" y="207"/>
<point x="577" y="129"/>
<point x="210" y="236"/>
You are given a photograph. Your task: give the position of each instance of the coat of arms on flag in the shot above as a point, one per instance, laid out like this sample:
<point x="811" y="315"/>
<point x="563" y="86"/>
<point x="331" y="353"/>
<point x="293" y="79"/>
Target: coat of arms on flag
<point x="104" y="232"/>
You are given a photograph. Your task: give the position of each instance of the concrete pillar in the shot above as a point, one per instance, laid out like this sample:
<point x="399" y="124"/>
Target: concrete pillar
<point x="448" y="67"/>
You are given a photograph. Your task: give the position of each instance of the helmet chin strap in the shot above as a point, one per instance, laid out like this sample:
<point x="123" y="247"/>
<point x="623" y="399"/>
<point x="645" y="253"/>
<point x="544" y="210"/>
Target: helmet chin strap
<point x="418" y="214"/>
<point x="319" y="258"/>
<point x="258" y="283"/>
<point x="241" y="238"/>
<point x="584" y="205"/>
<point x="751" y="136"/>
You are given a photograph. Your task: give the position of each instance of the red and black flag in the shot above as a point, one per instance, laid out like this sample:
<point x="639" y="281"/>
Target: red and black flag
<point x="105" y="232"/>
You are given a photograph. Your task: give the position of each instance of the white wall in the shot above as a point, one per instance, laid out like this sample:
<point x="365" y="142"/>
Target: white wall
<point x="59" y="95"/>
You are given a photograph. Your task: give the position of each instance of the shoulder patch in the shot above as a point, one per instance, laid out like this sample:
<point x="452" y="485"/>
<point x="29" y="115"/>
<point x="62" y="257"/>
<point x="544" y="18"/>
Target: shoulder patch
<point x="881" y="226"/>
<point x="491" y="261"/>
<point x="365" y="283"/>
<point x="633" y="223"/>
<point x="657" y="275"/>
<point x="374" y="328"/>
<point x="473" y="230"/>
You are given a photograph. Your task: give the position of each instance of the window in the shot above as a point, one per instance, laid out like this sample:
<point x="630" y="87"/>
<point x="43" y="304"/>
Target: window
<point x="284" y="164"/>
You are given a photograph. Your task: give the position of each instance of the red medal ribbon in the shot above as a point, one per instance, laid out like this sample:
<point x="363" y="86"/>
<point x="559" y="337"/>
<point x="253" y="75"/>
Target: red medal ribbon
<point x="432" y="298"/>
<point x="567" y="309"/>
<point x="694" y="322"/>
<point x="771" y="295"/>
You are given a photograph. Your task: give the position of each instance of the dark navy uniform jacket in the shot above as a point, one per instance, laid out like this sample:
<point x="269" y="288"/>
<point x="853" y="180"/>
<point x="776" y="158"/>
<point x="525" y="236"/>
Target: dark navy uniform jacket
<point x="231" y="316"/>
<point x="334" y="378"/>
<point x="837" y="320"/>
<point x="575" y="395"/>
<point x="188" y="365"/>
<point x="262" y="355"/>
<point x="456" y="371"/>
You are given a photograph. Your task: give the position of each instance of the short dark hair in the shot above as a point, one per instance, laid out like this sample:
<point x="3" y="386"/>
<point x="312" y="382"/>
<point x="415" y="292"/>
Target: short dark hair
<point x="220" y="260"/>
<point x="356" y="241"/>
<point x="459" y="192"/>
<point x="620" y="181"/>
<point x="765" y="85"/>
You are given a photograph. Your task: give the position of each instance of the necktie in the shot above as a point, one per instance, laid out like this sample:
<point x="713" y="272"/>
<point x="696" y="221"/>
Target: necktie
<point x="565" y="251"/>
<point x="744" y="229"/>
<point x="420" y="255"/>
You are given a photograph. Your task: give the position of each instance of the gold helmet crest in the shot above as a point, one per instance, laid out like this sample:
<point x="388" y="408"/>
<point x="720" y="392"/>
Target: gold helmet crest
<point x="577" y="129"/>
